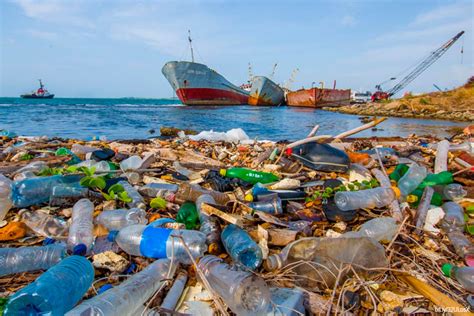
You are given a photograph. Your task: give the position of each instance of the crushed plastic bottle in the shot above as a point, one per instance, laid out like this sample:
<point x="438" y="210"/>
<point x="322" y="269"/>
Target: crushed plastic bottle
<point x="382" y="229"/>
<point x="270" y="204"/>
<point x="24" y="259"/>
<point x="128" y="297"/>
<point x="464" y="275"/>
<point x="100" y="166"/>
<point x="54" y="292"/>
<point x="209" y="225"/>
<point x="137" y="199"/>
<point x="44" y="224"/>
<point x="454" y="218"/>
<point x="411" y="179"/>
<point x="188" y="215"/>
<point x="65" y="193"/>
<point x="5" y="192"/>
<point x="82" y="150"/>
<point x="433" y="179"/>
<point x="131" y="163"/>
<point x="191" y="192"/>
<point x="328" y="256"/>
<point x="118" y="219"/>
<point x="466" y="146"/>
<point x="164" y="190"/>
<point x="243" y="249"/>
<point x="191" y="175"/>
<point x="462" y="245"/>
<point x="441" y="160"/>
<point x="371" y="198"/>
<point x="155" y="242"/>
<point x="454" y="192"/>
<point x="244" y="292"/>
<point x="250" y="176"/>
<point x="81" y="237"/>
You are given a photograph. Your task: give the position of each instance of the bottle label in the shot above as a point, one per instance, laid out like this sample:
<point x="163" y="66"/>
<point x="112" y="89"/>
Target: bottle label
<point x="153" y="243"/>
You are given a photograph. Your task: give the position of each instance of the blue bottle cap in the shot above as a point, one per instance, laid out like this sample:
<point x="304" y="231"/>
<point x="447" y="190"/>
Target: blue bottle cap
<point x="104" y="288"/>
<point x="112" y="235"/>
<point x="79" y="250"/>
<point x="48" y="241"/>
<point x="130" y="268"/>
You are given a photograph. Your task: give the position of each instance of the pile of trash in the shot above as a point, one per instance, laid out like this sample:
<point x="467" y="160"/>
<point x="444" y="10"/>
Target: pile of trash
<point x="220" y="224"/>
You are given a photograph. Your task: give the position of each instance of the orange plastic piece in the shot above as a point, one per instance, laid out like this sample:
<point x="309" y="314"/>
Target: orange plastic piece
<point x="13" y="231"/>
<point x="154" y="217"/>
<point x="362" y="158"/>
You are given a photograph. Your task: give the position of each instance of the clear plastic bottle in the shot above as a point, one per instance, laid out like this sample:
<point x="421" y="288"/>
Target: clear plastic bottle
<point x="464" y="275"/>
<point x="243" y="249"/>
<point x="81" y="229"/>
<point x="32" y="191"/>
<point x="131" y="163"/>
<point x="5" y="199"/>
<point x="384" y="181"/>
<point x="156" y="242"/>
<point x="82" y="150"/>
<point x="24" y="175"/>
<point x="54" y="292"/>
<point x="175" y="292"/>
<point x="441" y="160"/>
<point x="454" y="192"/>
<point x="209" y="224"/>
<point x="65" y="193"/>
<point x="191" y="175"/>
<point x="35" y="166"/>
<point x="137" y="199"/>
<point x="163" y="190"/>
<point x="191" y="192"/>
<point x="118" y="219"/>
<point x="100" y="166"/>
<point x="243" y="292"/>
<point x="371" y="198"/>
<point x="462" y="245"/>
<point x="270" y="204"/>
<point x="411" y="179"/>
<point x="45" y="225"/>
<point x="466" y="146"/>
<point x="15" y="260"/>
<point x="453" y="218"/>
<point x="128" y="297"/>
<point x="382" y="229"/>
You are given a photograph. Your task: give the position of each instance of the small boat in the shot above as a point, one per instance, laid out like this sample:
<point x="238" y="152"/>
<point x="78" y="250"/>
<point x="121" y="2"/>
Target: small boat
<point x="41" y="93"/>
<point x="316" y="97"/>
<point x="265" y="92"/>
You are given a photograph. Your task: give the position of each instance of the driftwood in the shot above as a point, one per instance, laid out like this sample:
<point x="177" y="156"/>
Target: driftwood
<point x="210" y="210"/>
<point x="361" y="128"/>
<point x="12" y="166"/>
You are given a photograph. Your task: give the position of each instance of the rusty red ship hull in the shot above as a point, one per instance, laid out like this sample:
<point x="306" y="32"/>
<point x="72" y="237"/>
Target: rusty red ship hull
<point x="317" y="97"/>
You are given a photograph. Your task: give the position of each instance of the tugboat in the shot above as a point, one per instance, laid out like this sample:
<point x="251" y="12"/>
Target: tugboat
<point x="41" y="93"/>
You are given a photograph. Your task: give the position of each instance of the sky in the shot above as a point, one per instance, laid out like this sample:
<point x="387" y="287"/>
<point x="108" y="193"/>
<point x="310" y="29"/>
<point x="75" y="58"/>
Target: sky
<point x="116" y="48"/>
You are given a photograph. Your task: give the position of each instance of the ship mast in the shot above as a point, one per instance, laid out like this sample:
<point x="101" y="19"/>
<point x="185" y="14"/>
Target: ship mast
<point x="191" y="45"/>
<point x="41" y="84"/>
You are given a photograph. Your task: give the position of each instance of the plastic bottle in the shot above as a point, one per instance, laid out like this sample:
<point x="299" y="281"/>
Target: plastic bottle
<point x="118" y="219"/>
<point x="37" y="190"/>
<point x="54" y="292"/>
<point x="411" y="179"/>
<point x="186" y="172"/>
<point x="188" y="215"/>
<point x="45" y="225"/>
<point x="243" y="249"/>
<point x="454" y="192"/>
<point x="175" y="292"/>
<point x="423" y="207"/>
<point x="15" y="260"/>
<point x="441" y="160"/>
<point x="415" y="196"/>
<point x="432" y="179"/>
<point x="164" y="190"/>
<point x="244" y="292"/>
<point x="137" y="199"/>
<point x="155" y="242"/>
<point x="64" y="193"/>
<point x="385" y="182"/>
<point x="35" y="166"/>
<point x="466" y="146"/>
<point x="81" y="150"/>
<point x="398" y="172"/>
<point x="454" y="217"/>
<point x="382" y="229"/>
<point x="131" y="163"/>
<point x="249" y="176"/>
<point x="328" y="255"/>
<point x="191" y="192"/>
<point x="129" y="296"/>
<point x="100" y="166"/>
<point x="81" y="235"/>
<point x="462" y="245"/>
<point x="5" y="192"/>
<point x="371" y="198"/>
<point x="464" y="275"/>
<point x="270" y="204"/>
<point x="209" y="225"/>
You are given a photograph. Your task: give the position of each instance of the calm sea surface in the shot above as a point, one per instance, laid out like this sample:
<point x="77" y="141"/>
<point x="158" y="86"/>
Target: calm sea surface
<point x="134" y="118"/>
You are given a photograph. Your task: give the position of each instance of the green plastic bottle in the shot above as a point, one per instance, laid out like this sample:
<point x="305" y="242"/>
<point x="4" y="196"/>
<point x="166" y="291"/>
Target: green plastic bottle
<point x="188" y="215"/>
<point x="441" y="178"/>
<point x="415" y="196"/>
<point x="249" y="176"/>
<point x="398" y="172"/>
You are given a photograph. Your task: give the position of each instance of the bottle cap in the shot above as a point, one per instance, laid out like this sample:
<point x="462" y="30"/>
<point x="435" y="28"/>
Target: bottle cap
<point x="397" y="192"/>
<point x="48" y="241"/>
<point x="112" y="235"/>
<point x="104" y="288"/>
<point x="412" y="198"/>
<point x="248" y="197"/>
<point x="447" y="268"/>
<point x="223" y="172"/>
<point x="79" y="250"/>
<point x="213" y="248"/>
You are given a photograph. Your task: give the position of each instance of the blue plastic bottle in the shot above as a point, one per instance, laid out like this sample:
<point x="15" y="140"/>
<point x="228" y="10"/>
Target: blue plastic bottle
<point x="54" y="292"/>
<point x="241" y="247"/>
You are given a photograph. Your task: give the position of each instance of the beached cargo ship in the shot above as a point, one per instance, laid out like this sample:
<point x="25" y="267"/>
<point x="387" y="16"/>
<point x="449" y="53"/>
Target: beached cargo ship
<point x="264" y="91"/>
<point x="317" y="97"/>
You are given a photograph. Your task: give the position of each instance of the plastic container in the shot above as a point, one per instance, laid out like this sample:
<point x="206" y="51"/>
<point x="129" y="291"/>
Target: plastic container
<point x="466" y="146"/>
<point x="454" y="192"/>
<point x="244" y="292"/>
<point x="118" y="219"/>
<point x="128" y="297"/>
<point x="33" y="191"/>
<point x="164" y="190"/>
<point x="464" y="275"/>
<point x="209" y="225"/>
<point x="137" y="199"/>
<point x="243" y="249"/>
<point x="15" y="260"/>
<point x="81" y="235"/>
<point x="5" y="192"/>
<point x="441" y="159"/>
<point x="131" y="163"/>
<point x="270" y="204"/>
<point x="371" y="198"/>
<point x="45" y="225"/>
<point x="191" y="175"/>
<point x="382" y="229"/>
<point x="188" y="215"/>
<point x="54" y="292"/>
<point x="63" y="194"/>
<point x="191" y="192"/>
<point x="453" y="218"/>
<point x="158" y="243"/>
<point x="250" y="176"/>
<point x="411" y="179"/>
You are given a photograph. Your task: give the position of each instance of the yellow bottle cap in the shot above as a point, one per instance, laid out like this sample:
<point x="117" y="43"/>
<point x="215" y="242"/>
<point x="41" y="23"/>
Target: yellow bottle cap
<point x="412" y="198"/>
<point x="223" y="172"/>
<point x="397" y="192"/>
<point x="248" y="197"/>
<point x="213" y="249"/>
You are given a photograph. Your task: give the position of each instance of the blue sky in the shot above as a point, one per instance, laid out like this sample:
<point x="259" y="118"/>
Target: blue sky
<point x="117" y="48"/>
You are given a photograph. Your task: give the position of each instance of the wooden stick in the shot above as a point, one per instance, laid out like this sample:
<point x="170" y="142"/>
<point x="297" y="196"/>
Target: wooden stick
<point x="209" y="210"/>
<point x="361" y="128"/>
<point x="307" y="140"/>
<point x="313" y="131"/>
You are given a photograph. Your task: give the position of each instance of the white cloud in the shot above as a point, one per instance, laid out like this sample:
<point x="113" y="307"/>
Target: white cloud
<point x="348" y="20"/>
<point x="43" y="35"/>
<point x="443" y="13"/>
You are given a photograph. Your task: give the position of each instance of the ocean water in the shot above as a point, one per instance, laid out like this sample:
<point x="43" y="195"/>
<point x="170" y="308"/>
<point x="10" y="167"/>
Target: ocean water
<point x="129" y="118"/>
